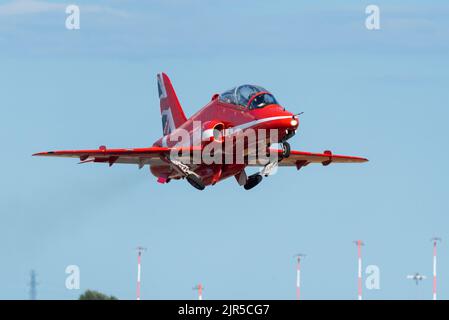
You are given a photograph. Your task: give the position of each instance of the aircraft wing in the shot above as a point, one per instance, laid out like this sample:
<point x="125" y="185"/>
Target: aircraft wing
<point x="139" y="156"/>
<point x="154" y="155"/>
<point x="300" y="159"/>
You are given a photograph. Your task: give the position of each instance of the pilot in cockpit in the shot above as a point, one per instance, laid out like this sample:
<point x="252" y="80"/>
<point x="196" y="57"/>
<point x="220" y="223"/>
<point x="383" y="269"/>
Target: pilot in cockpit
<point x="261" y="100"/>
<point x="250" y="96"/>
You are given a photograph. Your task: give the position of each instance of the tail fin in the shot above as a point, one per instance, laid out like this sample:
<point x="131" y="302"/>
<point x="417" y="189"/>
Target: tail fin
<point x="171" y="110"/>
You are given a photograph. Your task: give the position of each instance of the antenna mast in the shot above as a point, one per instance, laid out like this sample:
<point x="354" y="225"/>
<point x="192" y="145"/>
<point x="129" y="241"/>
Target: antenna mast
<point x="359" y="244"/>
<point x="435" y="240"/>
<point x="298" y="274"/>
<point x="139" y="256"/>
<point x="33" y="285"/>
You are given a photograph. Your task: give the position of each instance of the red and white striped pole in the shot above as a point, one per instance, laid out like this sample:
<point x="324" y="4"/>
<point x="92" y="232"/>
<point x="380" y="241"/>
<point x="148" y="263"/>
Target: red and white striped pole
<point x="298" y="279"/>
<point x="139" y="256"/>
<point x="435" y="240"/>
<point x="359" y="244"/>
<point x="298" y="275"/>
<point x="200" y="291"/>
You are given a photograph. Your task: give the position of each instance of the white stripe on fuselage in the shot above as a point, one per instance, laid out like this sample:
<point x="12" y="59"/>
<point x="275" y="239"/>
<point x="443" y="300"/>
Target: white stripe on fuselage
<point x="230" y="131"/>
<point x="253" y="123"/>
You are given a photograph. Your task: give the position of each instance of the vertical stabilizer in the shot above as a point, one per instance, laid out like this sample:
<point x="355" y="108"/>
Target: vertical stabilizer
<point x="171" y="111"/>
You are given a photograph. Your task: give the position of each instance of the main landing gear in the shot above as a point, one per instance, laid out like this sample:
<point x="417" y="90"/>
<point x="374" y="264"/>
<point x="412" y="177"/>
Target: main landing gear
<point x="195" y="181"/>
<point x="191" y="176"/>
<point x="252" y="181"/>
<point x="255" y="179"/>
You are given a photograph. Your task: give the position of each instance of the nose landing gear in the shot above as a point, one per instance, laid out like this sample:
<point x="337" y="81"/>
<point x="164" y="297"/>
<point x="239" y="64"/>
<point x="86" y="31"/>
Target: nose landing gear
<point x="285" y="147"/>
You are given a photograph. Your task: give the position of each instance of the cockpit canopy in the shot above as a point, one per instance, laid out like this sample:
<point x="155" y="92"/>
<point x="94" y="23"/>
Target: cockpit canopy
<point x="252" y="97"/>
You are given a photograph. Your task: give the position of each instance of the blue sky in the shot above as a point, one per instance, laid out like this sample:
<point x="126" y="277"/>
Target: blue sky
<point x="380" y="94"/>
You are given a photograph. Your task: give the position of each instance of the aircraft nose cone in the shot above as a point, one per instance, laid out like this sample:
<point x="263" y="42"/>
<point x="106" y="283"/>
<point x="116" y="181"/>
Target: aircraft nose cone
<point x="288" y="122"/>
<point x="291" y="123"/>
<point x="294" y="122"/>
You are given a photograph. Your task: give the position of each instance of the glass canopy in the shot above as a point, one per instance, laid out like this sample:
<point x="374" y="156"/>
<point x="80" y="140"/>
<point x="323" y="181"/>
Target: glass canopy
<point x="249" y="96"/>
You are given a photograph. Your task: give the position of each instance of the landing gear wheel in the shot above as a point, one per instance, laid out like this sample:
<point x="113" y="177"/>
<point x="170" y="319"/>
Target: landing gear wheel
<point x="252" y="181"/>
<point x="285" y="149"/>
<point x="195" y="182"/>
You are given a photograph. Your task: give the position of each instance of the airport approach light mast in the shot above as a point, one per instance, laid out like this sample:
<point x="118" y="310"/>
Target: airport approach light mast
<point x="359" y="244"/>
<point x="298" y="274"/>
<point x="199" y="288"/>
<point x="435" y="240"/>
<point x="139" y="256"/>
<point x="33" y="285"/>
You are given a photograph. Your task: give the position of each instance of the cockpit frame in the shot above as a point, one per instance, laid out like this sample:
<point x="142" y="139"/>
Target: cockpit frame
<point x="245" y="95"/>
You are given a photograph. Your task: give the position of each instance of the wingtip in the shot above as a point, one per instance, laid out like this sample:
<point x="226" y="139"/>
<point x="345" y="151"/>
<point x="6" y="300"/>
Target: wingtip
<point x="42" y="153"/>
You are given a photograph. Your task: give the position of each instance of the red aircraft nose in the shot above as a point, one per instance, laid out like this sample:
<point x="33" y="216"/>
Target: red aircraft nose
<point x="294" y="122"/>
<point x="287" y="120"/>
<point x="276" y="117"/>
<point x="288" y="127"/>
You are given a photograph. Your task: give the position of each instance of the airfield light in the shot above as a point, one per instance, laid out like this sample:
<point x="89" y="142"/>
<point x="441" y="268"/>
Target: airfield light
<point x="298" y="274"/>
<point x="199" y="288"/>
<point x="435" y="240"/>
<point x="139" y="256"/>
<point x="33" y="285"/>
<point x="359" y="244"/>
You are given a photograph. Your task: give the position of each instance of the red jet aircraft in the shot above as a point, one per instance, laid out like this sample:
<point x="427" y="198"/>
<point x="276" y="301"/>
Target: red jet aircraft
<point x="234" y="112"/>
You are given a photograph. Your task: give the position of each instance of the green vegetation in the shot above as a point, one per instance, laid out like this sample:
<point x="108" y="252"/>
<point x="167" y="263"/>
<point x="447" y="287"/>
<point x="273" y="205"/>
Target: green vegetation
<point x="95" y="295"/>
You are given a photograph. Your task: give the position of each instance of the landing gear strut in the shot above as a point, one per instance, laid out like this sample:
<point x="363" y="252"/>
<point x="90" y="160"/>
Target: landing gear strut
<point x="253" y="180"/>
<point x="191" y="176"/>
